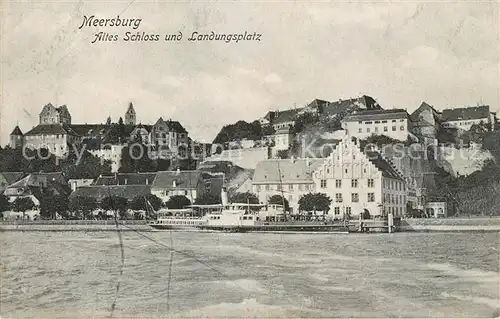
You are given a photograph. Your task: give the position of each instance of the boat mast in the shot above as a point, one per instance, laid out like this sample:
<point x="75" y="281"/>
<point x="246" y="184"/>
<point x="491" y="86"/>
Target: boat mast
<point x="281" y="186"/>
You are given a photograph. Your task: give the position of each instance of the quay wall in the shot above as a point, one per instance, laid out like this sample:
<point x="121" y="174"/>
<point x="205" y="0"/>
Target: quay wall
<point x="480" y="224"/>
<point x="74" y="225"/>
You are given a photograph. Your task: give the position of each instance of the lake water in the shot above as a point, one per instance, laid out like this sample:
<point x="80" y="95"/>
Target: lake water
<point x="213" y="275"/>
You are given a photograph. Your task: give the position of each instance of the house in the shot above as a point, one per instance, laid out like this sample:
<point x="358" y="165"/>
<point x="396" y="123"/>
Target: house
<point x="8" y="178"/>
<point x="99" y="192"/>
<point x="283" y="138"/>
<point x="426" y="122"/>
<point x="464" y="118"/>
<point x="392" y="123"/>
<point x="359" y="181"/>
<point x="55" y="115"/>
<point x="171" y="183"/>
<point x="285" y="119"/>
<point x="37" y="185"/>
<point x="75" y="183"/>
<point x="170" y="138"/>
<point x="290" y="178"/>
<point x="126" y="179"/>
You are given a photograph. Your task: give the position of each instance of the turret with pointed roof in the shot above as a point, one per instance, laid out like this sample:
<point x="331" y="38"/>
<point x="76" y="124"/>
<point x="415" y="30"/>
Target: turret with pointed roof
<point x="130" y="118"/>
<point x="16" y="138"/>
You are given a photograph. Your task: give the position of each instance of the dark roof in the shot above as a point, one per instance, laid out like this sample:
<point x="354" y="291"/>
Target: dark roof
<point x="99" y="192"/>
<point x="183" y="179"/>
<point x="286" y="116"/>
<point x="126" y="179"/>
<point x="384" y="166"/>
<point x="89" y="129"/>
<point x="466" y="113"/>
<point x="12" y="177"/>
<point x="17" y="131"/>
<point x="377" y="115"/>
<point x="49" y="129"/>
<point x="415" y="115"/>
<point x="131" y="108"/>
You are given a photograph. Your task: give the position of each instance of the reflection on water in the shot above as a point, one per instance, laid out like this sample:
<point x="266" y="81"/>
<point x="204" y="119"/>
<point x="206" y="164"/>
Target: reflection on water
<point x="250" y="275"/>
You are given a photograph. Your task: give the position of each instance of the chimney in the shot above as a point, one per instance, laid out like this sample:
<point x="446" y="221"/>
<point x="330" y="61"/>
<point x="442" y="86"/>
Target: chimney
<point x="174" y="184"/>
<point x="223" y="196"/>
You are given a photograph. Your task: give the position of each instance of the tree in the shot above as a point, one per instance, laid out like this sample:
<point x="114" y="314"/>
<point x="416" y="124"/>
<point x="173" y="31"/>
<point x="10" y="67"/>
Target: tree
<point x="244" y="198"/>
<point x="279" y="200"/>
<point x="304" y="120"/>
<point x="116" y="204"/>
<point x="22" y="204"/>
<point x="314" y="202"/>
<point x="4" y="203"/>
<point x="82" y="206"/>
<point x="207" y="199"/>
<point x="139" y="202"/>
<point x="50" y="205"/>
<point x="178" y="202"/>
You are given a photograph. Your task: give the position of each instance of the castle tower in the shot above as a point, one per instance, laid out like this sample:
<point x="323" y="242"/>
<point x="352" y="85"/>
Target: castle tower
<point x="16" y="138"/>
<point x="130" y="115"/>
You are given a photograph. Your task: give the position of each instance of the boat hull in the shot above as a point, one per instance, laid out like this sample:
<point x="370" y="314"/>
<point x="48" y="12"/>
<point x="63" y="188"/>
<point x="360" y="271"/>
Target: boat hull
<point x="172" y="227"/>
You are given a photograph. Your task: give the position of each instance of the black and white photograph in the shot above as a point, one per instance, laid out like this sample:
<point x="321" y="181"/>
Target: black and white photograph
<point x="249" y="159"/>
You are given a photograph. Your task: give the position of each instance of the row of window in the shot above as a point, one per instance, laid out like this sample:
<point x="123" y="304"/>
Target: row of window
<point x="394" y="199"/>
<point x="395" y="185"/>
<point x="354" y="183"/>
<point x="370" y="197"/>
<point x="394" y="129"/>
<point x="378" y="122"/>
<point x="291" y="187"/>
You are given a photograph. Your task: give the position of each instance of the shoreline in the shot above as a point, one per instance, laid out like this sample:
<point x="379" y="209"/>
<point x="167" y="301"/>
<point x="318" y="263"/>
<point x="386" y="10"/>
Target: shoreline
<point x="479" y="224"/>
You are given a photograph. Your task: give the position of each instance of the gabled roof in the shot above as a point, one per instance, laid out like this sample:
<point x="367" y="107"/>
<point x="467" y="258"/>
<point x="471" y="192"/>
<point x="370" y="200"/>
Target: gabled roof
<point x="172" y="125"/>
<point x="466" y="113"/>
<point x="99" y="192"/>
<point x="17" y="131"/>
<point x="292" y="170"/>
<point x="126" y="179"/>
<point x="369" y="115"/>
<point x="183" y="179"/>
<point x="415" y="115"/>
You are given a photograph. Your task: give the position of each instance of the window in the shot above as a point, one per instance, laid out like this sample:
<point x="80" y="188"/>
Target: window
<point x="338" y="183"/>
<point x="338" y="197"/>
<point x="337" y="210"/>
<point x="257" y="188"/>
<point x="371" y="182"/>
<point x="393" y="121"/>
<point x="368" y="122"/>
<point x="377" y="122"/>
<point x="278" y="187"/>
<point x="323" y="183"/>
<point x="354" y="197"/>
<point x="376" y="129"/>
<point x="290" y="187"/>
<point x="360" y="122"/>
<point x="301" y="187"/>
<point x="385" y="128"/>
<point x="367" y="130"/>
<point x="360" y="130"/>
<point x="371" y="197"/>
<point x="402" y="120"/>
<point x="354" y="183"/>
<point x="348" y="210"/>
<point x="267" y="187"/>
<point x="393" y="128"/>
<point x="384" y="121"/>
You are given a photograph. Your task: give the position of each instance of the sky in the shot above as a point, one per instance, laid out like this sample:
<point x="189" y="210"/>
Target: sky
<point x="400" y="53"/>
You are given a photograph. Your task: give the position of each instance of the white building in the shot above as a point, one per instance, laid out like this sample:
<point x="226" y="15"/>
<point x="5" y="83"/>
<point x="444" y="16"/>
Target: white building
<point x="290" y="178"/>
<point x="283" y="138"/>
<point x="392" y="123"/>
<point x="359" y="181"/>
<point x="112" y="153"/>
<point x="464" y="118"/>
<point x="184" y="183"/>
